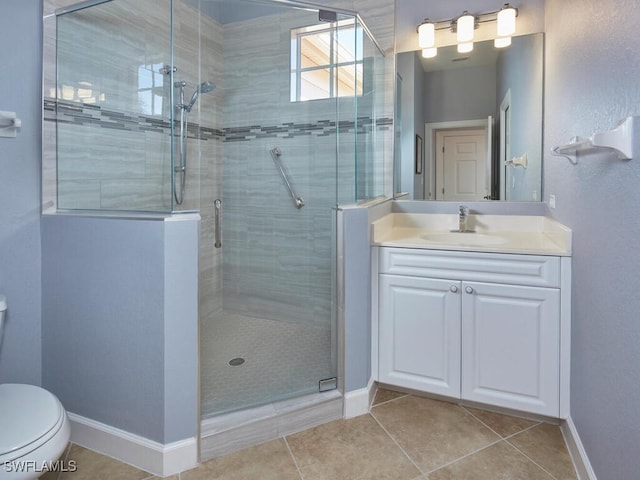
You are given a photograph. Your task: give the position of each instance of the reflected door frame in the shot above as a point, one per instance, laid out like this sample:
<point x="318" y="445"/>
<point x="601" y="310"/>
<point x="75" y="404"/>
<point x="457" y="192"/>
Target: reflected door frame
<point x="430" y="131"/>
<point x="505" y="146"/>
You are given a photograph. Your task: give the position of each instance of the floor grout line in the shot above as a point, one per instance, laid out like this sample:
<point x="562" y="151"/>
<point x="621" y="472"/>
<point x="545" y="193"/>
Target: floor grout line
<point x="497" y="441"/>
<point x="497" y="433"/>
<point x="295" y="461"/>
<point x="398" y="445"/>
<point x="522" y="431"/>
<point x="373" y="404"/>
<point x="532" y="460"/>
<point x="506" y="439"/>
<point x="466" y="455"/>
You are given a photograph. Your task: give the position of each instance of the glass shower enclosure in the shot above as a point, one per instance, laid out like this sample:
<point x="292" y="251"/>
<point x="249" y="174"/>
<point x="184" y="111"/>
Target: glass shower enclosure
<point x="263" y="116"/>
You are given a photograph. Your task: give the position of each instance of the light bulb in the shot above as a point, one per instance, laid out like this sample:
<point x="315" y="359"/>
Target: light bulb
<point x="502" y="42"/>
<point x="506" y="21"/>
<point x="465" y="26"/>
<point x="465" y="47"/>
<point x="429" y="52"/>
<point x="426" y="35"/>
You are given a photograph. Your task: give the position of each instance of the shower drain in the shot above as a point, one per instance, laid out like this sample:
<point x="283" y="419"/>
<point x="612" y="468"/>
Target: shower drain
<point x="236" y="362"/>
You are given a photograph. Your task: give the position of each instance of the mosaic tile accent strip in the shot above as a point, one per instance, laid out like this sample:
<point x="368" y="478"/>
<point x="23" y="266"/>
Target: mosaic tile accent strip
<point x="93" y="115"/>
<point x="83" y="114"/>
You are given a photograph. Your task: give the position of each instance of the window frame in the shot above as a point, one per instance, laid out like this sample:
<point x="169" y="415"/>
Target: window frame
<point x="297" y="70"/>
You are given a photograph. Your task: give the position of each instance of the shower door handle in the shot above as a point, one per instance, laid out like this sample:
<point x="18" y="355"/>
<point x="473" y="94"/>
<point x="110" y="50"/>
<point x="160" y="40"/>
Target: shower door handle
<point x="217" y="210"/>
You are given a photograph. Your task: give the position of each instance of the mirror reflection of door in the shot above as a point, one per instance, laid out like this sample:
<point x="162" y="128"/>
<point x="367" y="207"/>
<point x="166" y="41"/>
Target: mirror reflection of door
<point x="461" y="165"/>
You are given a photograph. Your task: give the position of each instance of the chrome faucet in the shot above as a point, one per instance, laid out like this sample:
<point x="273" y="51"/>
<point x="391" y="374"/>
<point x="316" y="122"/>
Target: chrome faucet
<point x="462" y="218"/>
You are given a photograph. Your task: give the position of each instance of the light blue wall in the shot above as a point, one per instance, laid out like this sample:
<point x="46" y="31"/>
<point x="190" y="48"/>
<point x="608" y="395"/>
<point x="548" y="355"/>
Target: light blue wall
<point x="593" y="67"/>
<point x="460" y="94"/>
<point x="120" y="322"/>
<point x="520" y="69"/>
<point x="20" y="191"/>
<point x="357" y="297"/>
<point x="181" y="355"/>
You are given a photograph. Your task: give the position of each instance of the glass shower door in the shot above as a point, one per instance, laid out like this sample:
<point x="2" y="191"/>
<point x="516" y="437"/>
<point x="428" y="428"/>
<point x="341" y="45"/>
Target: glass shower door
<point x="267" y="294"/>
<point x="110" y="107"/>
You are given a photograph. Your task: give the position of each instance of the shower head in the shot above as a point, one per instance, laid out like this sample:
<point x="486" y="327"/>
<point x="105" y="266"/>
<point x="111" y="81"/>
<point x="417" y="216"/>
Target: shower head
<point x="204" y="87"/>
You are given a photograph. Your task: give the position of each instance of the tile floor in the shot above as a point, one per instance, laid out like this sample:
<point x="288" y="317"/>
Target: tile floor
<point x="403" y="438"/>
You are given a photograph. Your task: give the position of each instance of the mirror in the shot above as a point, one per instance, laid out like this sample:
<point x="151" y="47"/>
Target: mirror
<point x="478" y="118"/>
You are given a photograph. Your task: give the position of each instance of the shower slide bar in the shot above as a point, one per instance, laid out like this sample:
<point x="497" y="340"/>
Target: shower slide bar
<point x="217" y="213"/>
<point x="275" y="154"/>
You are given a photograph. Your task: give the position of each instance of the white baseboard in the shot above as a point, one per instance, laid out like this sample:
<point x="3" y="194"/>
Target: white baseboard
<point x="577" y="451"/>
<point x="156" y="458"/>
<point x="358" y="402"/>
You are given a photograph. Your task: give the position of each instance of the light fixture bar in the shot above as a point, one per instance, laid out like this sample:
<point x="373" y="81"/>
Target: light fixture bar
<point x="464" y="26"/>
<point x="481" y="18"/>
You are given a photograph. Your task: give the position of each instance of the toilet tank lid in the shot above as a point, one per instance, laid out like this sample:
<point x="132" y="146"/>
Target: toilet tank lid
<point x="3" y="303"/>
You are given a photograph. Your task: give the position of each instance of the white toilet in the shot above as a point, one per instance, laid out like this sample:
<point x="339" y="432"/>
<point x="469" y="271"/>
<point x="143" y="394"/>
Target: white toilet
<point x="34" y="430"/>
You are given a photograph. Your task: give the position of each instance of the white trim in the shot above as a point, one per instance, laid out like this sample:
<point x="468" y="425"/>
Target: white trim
<point x="374" y="311"/>
<point x="156" y="458"/>
<point x="505" y="143"/>
<point x="565" y="337"/>
<point x="577" y="451"/>
<point x="358" y="402"/>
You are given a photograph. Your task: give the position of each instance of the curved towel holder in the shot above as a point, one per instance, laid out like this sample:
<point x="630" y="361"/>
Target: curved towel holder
<point x="619" y="141"/>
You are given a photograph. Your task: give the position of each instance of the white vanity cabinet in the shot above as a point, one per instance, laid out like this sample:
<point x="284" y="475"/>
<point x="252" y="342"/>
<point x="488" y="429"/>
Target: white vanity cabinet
<point x="484" y="327"/>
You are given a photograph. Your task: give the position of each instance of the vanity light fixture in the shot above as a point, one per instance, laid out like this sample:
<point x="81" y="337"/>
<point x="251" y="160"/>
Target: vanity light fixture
<point x="464" y="26"/>
<point x="426" y="34"/>
<point x="506" y="26"/>
<point x="507" y="21"/>
<point x="427" y="38"/>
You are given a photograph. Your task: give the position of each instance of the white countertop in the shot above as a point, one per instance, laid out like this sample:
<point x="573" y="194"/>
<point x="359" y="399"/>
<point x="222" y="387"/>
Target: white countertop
<point x="533" y="235"/>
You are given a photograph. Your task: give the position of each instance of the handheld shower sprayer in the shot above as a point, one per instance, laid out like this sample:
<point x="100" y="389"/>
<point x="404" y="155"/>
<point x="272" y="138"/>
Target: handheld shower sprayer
<point x="204" y="87"/>
<point x="180" y="169"/>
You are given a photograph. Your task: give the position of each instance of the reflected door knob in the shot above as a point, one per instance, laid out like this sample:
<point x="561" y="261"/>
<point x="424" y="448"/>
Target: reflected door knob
<point x="454" y="289"/>
<point x="468" y="290"/>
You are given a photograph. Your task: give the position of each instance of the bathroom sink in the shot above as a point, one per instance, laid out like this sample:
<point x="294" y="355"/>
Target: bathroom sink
<point x="459" y="238"/>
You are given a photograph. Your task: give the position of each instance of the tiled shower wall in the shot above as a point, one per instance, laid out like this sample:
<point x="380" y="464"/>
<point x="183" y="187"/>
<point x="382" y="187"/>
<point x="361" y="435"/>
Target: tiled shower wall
<point x="102" y="162"/>
<point x="277" y="260"/>
<point x="114" y="150"/>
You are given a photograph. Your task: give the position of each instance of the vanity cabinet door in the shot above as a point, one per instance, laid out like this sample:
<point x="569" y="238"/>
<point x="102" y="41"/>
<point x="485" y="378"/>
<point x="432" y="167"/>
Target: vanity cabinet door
<point x="419" y="333"/>
<point x="510" y="346"/>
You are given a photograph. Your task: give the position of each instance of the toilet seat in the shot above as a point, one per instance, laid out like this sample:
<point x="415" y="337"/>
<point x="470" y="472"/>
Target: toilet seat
<point x="29" y="417"/>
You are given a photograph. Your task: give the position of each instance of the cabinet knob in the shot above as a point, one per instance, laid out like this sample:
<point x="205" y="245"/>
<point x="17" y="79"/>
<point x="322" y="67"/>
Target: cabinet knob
<point x="454" y="289"/>
<point x="468" y="290"/>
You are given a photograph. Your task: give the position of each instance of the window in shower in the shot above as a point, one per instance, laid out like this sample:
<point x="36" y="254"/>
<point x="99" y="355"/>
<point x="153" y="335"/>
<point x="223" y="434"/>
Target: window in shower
<point x="326" y="62"/>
